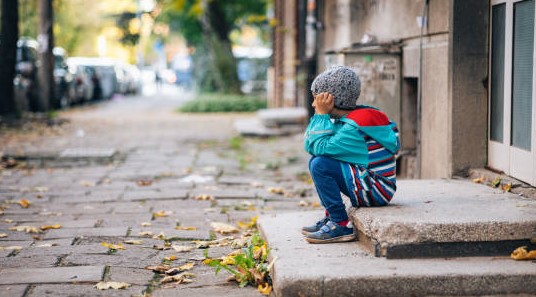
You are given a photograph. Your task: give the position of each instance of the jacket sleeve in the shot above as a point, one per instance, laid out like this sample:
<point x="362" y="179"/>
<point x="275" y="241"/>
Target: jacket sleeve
<point x="322" y="139"/>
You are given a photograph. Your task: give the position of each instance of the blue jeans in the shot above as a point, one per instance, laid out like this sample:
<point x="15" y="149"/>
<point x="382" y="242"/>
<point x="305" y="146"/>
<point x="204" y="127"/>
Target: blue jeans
<point x="330" y="181"/>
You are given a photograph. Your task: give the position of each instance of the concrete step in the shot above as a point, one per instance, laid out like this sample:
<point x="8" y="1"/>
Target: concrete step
<point x="347" y="269"/>
<point x="254" y="127"/>
<point x="277" y="117"/>
<point x="447" y="218"/>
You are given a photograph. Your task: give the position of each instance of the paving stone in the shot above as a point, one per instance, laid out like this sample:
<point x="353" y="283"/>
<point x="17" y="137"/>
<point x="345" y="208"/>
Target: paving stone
<point x="132" y="276"/>
<point x="82" y="290"/>
<point x="228" y="290"/>
<point x="51" y="275"/>
<point x="16" y="235"/>
<point x="236" y="180"/>
<point x="99" y="197"/>
<point x="140" y="259"/>
<point x="226" y="193"/>
<point x="153" y="195"/>
<point x="130" y="207"/>
<point x="26" y="262"/>
<point x="171" y="232"/>
<point x="13" y="290"/>
<point x="40" y="250"/>
<point x="79" y="208"/>
<point x="71" y="233"/>
<point x="189" y="204"/>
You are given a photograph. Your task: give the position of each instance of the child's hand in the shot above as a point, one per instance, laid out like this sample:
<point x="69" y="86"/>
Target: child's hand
<point x="323" y="103"/>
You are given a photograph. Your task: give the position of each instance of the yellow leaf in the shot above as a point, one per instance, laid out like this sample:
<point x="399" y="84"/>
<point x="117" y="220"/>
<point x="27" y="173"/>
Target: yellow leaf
<point x="171" y="258"/>
<point x="113" y="246"/>
<point x="24" y="203"/>
<point x="479" y="180"/>
<point x="9" y="248"/>
<point x="315" y="204"/>
<point x="507" y="187"/>
<point x="521" y="253"/>
<point x="3" y="235"/>
<point x="87" y="184"/>
<point x="204" y="197"/>
<point x="303" y="203"/>
<point x="496" y="182"/>
<point x="228" y="260"/>
<point x="182" y="248"/>
<point x="144" y="182"/>
<point x="223" y="228"/>
<point x="161" y="214"/>
<point x="247" y="225"/>
<point x="160" y="236"/>
<point x="276" y="190"/>
<point x="111" y="285"/>
<point x="146" y="234"/>
<point x="146" y="224"/>
<point x="27" y="229"/>
<point x="186" y="228"/>
<point x="46" y="227"/>
<point x="187" y="266"/>
<point x="162" y="247"/>
<point x="265" y="290"/>
<point x="133" y="241"/>
<point x="183" y="278"/>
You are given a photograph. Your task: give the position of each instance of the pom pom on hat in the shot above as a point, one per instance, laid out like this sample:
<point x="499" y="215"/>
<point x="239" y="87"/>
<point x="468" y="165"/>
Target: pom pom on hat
<point x="342" y="82"/>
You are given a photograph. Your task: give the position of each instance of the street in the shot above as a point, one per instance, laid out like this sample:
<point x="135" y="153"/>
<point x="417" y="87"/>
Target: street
<point x="134" y="170"/>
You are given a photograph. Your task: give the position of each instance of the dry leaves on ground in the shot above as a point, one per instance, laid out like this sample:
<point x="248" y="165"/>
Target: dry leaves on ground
<point x="170" y="258"/>
<point x="204" y="197"/>
<point x="147" y="234"/>
<point x="264" y="290"/>
<point x="113" y="246"/>
<point x="252" y="223"/>
<point x="182" y="278"/>
<point x="186" y="228"/>
<point x="144" y="182"/>
<point x="24" y="203"/>
<point x="182" y="248"/>
<point x="161" y="214"/>
<point x="111" y="285"/>
<point x="3" y="235"/>
<point x="479" y="180"/>
<point x="47" y="227"/>
<point x="521" y="253"/>
<point x="276" y="190"/>
<point x="201" y="244"/>
<point x="10" y="248"/>
<point x="27" y="229"/>
<point x="223" y="228"/>
<point x="133" y="241"/>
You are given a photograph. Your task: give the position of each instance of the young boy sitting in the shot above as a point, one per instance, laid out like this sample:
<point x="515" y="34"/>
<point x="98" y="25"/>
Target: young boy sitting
<point x="353" y="151"/>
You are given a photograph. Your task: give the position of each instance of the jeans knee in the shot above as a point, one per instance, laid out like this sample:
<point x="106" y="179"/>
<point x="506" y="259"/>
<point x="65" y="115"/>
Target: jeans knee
<point x="320" y="165"/>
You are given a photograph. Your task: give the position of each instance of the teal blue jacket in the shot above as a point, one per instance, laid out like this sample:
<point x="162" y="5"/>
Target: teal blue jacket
<point x="343" y="139"/>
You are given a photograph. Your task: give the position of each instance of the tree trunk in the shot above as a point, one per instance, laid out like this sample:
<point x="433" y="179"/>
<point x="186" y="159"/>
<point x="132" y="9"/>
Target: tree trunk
<point x="46" y="45"/>
<point x="8" y="55"/>
<point x="217" y="32"/>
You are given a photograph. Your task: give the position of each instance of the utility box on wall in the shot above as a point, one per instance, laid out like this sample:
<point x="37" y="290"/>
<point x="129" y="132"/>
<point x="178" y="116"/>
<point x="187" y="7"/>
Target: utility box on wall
<point x="379" y="69"/>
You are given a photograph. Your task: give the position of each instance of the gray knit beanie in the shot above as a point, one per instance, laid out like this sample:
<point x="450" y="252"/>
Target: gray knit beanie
<point x="342" y="82"/>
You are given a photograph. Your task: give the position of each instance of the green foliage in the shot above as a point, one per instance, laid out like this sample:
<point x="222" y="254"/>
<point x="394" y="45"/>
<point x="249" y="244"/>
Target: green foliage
<point x="223" y="103"/>
<point x="236" y="142"/>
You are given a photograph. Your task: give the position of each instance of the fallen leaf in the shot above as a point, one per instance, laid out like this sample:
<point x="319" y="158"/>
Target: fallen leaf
<point x="187" y="266"/>
<point x="176" y="270"/>
<point x="265" y="290"/>
<point x="46" y="227"/>
<point x="316" y="204"/>
<point x="170" y="258"/>
<point x="113" y="246"/>
<point x="3" y="235"/>
<point x="146" y="224"/>
<point x="162" y="213"/>
<point x="87" y="184"/>
<point x="276" y="190"/>
<point x="479" y="180"/>
<point x="111" y="285"/>
<point x="9" y="221"/>
<point x="47" y="245"/>
<point x="40" y="189"/>
<point x="133" y="241"/>
<point x="204" y="197"/>
<point x="148" y="234"/>
<point x="223" y="228"/>
<point x="159" y="268"/>
<point x="160" y="236"/>
<point x="183" y="278"/>
<point x="186" y="228"/>
<point x="27" y="229"/>
<point x="162" y="247"/>
<point x="144" y="182"/>
<point x="248" y="225"/>
<point x="24" y="203"/>
<point x="496" y="182"/>
<point x="182" y="248"/>
<point x="303" y="203"/>
<point x="521" y="253"/>
<point x="9" y="248"/>
<point x="506" y="187"/>
<point x="200" y="244"/>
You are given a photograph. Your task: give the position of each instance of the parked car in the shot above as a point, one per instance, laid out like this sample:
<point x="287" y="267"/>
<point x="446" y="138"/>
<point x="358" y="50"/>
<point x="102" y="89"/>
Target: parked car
<point x="25" y="81"/>
<point x="65" y="88"/>
<point x="84" y="84"/>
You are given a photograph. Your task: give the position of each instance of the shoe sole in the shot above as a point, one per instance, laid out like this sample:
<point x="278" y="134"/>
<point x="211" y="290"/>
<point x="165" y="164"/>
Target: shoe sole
<point x="344" y="238"/>
<point x="306" y="232"/>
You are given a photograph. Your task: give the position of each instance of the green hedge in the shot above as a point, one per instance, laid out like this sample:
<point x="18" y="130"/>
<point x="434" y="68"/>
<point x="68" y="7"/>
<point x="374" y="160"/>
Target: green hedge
<point x="223" y="103"/>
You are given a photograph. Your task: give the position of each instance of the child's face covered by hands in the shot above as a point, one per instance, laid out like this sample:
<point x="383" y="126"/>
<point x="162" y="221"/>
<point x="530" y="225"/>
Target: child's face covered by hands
<point x="323" y="103"/>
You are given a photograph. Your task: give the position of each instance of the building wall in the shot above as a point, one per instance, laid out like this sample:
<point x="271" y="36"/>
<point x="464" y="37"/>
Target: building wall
<point x="454" y="64"/>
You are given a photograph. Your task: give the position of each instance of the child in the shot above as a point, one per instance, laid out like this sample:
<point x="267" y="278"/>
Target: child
<point x="354" y="153"/>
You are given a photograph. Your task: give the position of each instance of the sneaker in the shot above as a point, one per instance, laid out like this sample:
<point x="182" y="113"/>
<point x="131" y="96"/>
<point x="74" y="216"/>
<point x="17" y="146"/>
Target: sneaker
<point x="331" y="232"/>
<point x="313" y="228"/>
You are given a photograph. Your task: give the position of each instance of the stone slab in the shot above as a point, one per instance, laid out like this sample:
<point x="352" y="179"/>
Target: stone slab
<point x="82" y="290"/>
<point x="154" y="195"/>
<point x="51" y="275"/>
<point x="254" y="127"/>
<point x="222" y="290"/>
<point x="445" y="218"/>
<point x="342" y="269"/>
<point x="100" y="232"/>
<point x="13" y="290"/>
